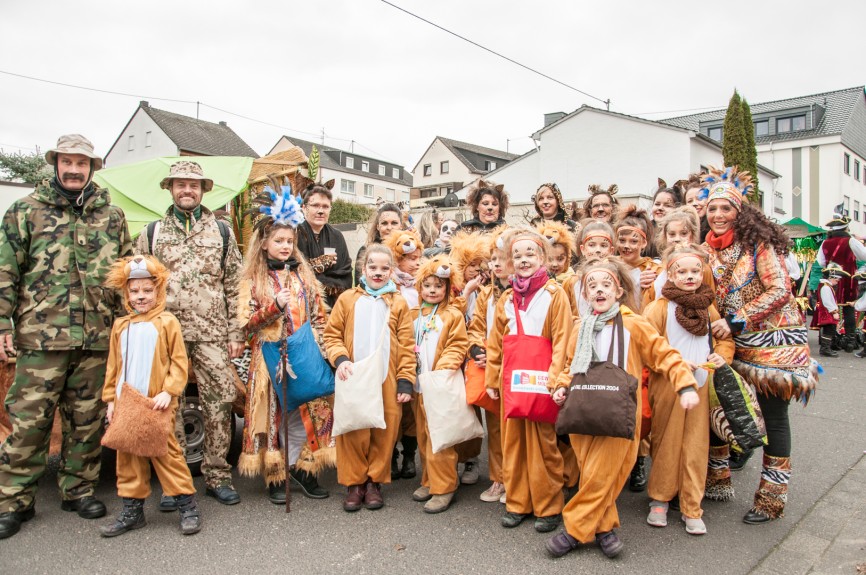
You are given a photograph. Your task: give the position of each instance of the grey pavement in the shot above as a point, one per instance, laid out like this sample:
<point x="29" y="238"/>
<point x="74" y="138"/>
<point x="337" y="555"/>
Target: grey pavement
<point x="822" y="529"/>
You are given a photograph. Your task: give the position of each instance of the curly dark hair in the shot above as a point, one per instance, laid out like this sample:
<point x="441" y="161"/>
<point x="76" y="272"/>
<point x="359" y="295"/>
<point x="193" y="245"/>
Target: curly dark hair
<point x="486" y="188"/>
<point x="753" y="227"/>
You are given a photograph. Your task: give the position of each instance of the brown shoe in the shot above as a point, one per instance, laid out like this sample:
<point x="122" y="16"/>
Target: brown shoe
<point x="373" y="497"/>
<point x="354" y="498"/>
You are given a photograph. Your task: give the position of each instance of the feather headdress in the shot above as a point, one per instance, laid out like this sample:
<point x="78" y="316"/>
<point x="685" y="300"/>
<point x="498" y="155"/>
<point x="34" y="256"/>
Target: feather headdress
<point x="281" y="208"/>
<point x="726" y="184"/>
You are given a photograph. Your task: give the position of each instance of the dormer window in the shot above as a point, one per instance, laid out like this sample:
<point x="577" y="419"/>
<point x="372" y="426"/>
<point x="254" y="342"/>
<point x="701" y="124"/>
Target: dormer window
<point x="791" y="124"/>
<point x="715" y="133"/>
<point x="762" y="128"/>
<point x="350" y="162"/>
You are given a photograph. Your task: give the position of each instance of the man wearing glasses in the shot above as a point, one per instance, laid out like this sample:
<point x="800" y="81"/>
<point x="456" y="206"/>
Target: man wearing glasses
<point x="321" y="243"/>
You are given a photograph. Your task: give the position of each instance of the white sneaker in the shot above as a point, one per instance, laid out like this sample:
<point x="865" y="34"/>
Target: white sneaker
<point x="470" y="472"/>
<point x="502" y="499"/>
<point x="695" y="526"/>
<point x="494" y="493"/>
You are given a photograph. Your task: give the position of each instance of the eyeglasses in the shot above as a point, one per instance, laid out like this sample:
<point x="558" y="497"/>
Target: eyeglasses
<point x="320" y="207"/>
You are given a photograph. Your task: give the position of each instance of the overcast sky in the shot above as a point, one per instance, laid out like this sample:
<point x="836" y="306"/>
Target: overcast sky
<point x="364" y="71"/>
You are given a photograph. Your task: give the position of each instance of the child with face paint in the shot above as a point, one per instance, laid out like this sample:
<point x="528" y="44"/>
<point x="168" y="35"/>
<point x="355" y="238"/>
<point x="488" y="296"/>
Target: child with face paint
<point x="605" y="462"/>
<point x="353" y="331"/>
<point x="595" y="241"/>
<point x="561" y="249"/>
<point x="407" y="249"/>
<point x="441" y="344"/>
<point x="534" y="306"/>
<point x="679" y="227"/>
<point x="479" y="332"/>
<point x="632" y="235"/>
<point x="681" y="439"/>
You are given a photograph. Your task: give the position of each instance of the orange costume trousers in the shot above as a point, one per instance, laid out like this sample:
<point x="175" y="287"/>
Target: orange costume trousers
<point x="494" y="446"/>
<point x="532" y="468"/>
<point x="366" y="453"/>
<point x="439" y="469"/>
<point x="133" y="473"/>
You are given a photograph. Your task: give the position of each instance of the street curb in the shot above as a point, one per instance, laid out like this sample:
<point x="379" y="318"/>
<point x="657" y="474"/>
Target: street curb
<point x="831" y="537"/>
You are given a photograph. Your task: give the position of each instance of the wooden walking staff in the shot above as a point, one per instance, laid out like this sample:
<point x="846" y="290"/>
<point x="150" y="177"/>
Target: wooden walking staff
<point x="284" y="389"/>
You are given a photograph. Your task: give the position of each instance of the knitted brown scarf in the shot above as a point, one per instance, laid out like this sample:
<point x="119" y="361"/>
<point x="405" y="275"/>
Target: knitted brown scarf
<point x="693" y="308"/>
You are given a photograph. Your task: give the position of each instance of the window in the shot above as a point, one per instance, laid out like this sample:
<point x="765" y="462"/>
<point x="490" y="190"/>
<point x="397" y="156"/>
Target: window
<point x="347" y="187"/>
<point x="365" y="166"/>
<point x="406" y="197"/>
<point x="395" y="173"/>
<point x="846" y="159"/>
<point x="350" y="162"/>
<point x="429" y="193"/>
<point x="428" y="170"/>
<point x="857" y="170"/>
<point x="390" y="194"/>
<point x="856" y="217"/>
<point x="792" y="124"/>
<point x="147" y="139"/>
<point x="846" y="205"/>
<point x="715" y="133"/>
<point x="762" y="128"/>
<point x="443" y="167"/>
<point x="489" y="165"/>
<point x="368" y="190"/>
<point x="381" y="170"/>
<point x="131" y="146"/>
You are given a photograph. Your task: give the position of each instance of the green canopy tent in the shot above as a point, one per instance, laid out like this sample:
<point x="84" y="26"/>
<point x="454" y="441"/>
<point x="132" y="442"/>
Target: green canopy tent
<point x="798" y="228"/>
<point x="135" y="187"/>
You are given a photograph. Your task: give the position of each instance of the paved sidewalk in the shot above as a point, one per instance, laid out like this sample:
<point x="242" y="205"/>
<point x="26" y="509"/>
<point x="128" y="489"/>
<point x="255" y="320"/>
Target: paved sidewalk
<point x="831" y="537"/>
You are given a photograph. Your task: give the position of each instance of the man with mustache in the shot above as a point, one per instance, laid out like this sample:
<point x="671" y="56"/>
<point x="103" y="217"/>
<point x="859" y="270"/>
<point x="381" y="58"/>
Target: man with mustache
<point x="56" y="248"/>
<point x="205" y="264"/>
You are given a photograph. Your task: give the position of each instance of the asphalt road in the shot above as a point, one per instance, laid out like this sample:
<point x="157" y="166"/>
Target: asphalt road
<point x="318" y="537"/>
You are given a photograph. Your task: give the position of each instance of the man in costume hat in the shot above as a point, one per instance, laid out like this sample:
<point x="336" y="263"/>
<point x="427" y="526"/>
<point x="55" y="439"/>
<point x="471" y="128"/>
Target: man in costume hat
<point x="843" y="249"/>
<point x="56" y="248"/>
<point x="205" y="264"/>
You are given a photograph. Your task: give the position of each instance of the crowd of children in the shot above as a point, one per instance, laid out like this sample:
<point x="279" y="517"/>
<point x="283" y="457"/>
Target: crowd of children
<point x="522" y="312"/>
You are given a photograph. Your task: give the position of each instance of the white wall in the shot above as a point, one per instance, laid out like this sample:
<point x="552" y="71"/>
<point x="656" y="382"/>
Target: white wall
<point x="380" y="187"/>
<point x="138" y="127"/>
<point x="11" y="191"/>
<point x="439" y="152"/>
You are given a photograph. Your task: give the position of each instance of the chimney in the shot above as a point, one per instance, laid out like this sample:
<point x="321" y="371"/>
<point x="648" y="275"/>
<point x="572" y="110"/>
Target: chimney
<point x="143" y="104"/>
<point x="222" y="123"/>
<point x="553" y="117"/>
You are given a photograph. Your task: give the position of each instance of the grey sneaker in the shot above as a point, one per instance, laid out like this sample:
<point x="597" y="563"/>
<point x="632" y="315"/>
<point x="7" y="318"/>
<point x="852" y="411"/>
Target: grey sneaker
<point x="658" y="515"/>
<point x="470" y="472"/>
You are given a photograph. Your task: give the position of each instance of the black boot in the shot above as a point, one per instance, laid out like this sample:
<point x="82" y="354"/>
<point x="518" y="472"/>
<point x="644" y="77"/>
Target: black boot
<point x="11" y="522"/>
<point x="190" y="517"/>
<point x="131" y="517"/>
<point x="395" y="465"/>
<point x="848" y="343"/>
<point x="825" y="348"/>
<point x="308" y="484"/>
<point x="277" y="493"/>
<point x="738" y="459"/>
<point x="637" y="480"/>
<point x="410" y="446"/>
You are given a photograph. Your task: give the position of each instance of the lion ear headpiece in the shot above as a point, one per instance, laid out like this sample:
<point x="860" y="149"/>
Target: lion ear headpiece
<point x="557" y="234"/>
<point x="138" y="267"/>
<point x="403" y="242"/>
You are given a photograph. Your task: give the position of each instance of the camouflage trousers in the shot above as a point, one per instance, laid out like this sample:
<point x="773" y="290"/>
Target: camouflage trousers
<point x="216" y="392"/>
<point x="45" y="380"/>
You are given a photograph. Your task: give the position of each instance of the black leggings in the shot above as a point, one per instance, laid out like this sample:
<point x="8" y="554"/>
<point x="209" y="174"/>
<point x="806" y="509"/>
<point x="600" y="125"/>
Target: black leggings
<point x="775" y="413"/>
<point x="849" y="319"/>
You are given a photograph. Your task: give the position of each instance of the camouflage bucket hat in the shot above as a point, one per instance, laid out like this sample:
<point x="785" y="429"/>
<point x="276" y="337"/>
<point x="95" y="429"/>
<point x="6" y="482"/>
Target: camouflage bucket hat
<point x="186" y="170"/>
<point x="73" y="144"/>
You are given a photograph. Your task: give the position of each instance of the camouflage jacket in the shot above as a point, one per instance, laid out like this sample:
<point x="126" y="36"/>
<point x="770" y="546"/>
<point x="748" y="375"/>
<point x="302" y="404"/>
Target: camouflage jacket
<point x="201" y="294"/>
<point x="52" y="266"/>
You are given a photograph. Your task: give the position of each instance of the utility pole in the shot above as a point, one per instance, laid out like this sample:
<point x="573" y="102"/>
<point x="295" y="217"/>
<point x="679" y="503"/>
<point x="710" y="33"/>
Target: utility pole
<point x="507" y="143"/>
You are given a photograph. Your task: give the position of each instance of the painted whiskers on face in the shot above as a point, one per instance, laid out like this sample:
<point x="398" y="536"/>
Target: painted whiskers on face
<point x="526" y="256"/>
<point x="601" y="289"/>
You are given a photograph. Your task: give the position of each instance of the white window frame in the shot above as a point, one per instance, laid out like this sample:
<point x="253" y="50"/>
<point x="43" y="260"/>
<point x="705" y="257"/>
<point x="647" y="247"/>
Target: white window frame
<point x="350" y="162"/>
<point x="390" y="194"/>
<point x="381" y="170"/>
<point x="347" y="187"/>
<point x="368" y="190"/>
<point x="131" y="144"/>
<point x="365" y="166"/>
<point x="148" y="139"/>
<point x="395" y="173"/>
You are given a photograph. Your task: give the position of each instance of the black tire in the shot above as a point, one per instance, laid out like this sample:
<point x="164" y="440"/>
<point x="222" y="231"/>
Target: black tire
<point x="194" y="428"/>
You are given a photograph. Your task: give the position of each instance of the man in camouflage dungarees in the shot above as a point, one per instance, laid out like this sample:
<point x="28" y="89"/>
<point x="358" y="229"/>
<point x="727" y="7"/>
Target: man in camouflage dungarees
<point x="56" y="247"/>
<point x="203" y="294"/>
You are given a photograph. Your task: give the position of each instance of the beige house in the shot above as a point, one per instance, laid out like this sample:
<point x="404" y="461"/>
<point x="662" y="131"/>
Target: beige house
<point x="448" y="165"/>
<point x="359" y="179"/>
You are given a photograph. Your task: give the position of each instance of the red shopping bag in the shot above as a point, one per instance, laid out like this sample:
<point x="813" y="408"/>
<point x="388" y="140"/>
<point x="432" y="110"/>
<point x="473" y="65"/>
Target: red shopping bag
<point x="645" y="408"/>
<point x="476" y="390"/>
<point x="525" y="364"/>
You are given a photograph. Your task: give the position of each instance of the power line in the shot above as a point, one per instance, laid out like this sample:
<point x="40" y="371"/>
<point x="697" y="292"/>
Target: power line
<point x="677" y="111"/>
<point x="248" y="118"/>
<point x="495" y="53"/>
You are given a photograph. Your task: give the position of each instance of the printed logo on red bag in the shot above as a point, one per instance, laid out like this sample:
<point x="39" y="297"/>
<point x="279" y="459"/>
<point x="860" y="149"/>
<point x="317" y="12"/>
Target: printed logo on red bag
<point x="529" y="381"/>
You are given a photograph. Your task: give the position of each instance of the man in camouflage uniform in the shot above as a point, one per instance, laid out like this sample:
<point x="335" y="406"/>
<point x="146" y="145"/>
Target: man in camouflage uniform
<point x="56" y="247"/>
<point x="202" y="293"/>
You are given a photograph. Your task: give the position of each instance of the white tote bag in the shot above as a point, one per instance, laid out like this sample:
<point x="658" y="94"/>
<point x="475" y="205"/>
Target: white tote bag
<point x="450" y="420"/>
<point x="358" y="400"/>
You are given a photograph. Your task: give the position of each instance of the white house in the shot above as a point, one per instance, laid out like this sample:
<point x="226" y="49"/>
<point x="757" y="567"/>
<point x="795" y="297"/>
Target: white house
<point x="11" y="191"/>
<point x="817" y="143"/>
<point x="359" y="179"/>
<point x="153" y="133"/>
<point x="448" y="165"/>
<point x="594" y="146"/>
